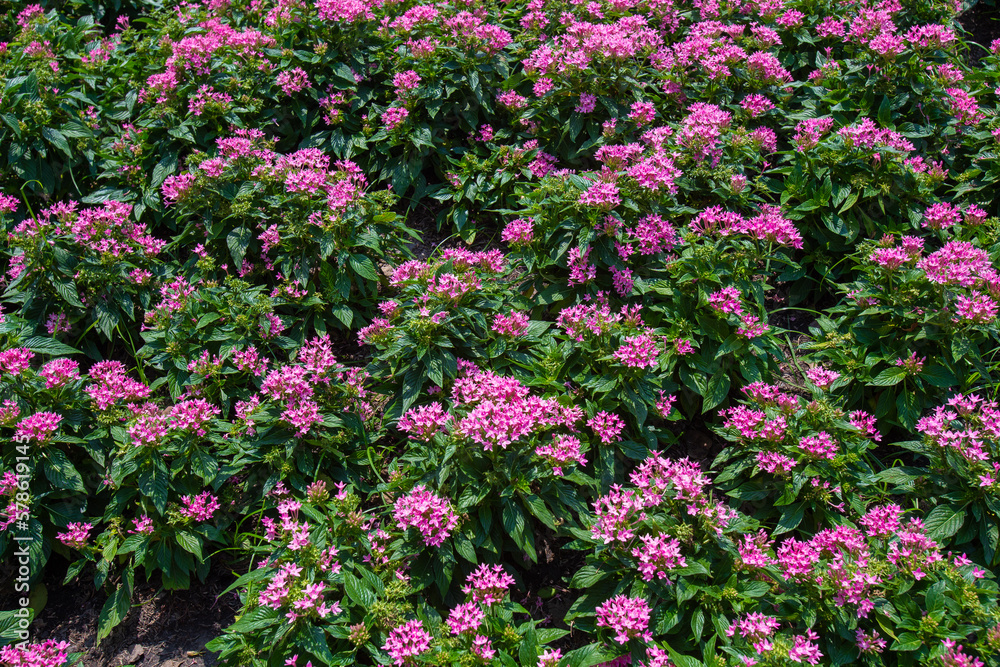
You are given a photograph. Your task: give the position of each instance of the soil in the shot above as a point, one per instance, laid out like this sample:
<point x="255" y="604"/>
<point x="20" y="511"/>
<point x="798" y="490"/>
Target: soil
<point x="982" y="22"/>
<point x="163" y="629"/>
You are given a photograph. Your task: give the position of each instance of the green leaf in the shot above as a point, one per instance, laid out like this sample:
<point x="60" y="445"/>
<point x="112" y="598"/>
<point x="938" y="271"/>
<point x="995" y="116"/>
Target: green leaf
<point x="587" y="576"/>
<point x="943" y="521"/>
<point x="190" y="543"/>
<point x="885" y="113"/>
<point x="49" y="346"/>
<point x="791" y="517"/>
<point x="465" y="548"/>
<point x="164" y="168"/>
<point x="116" y="608"/>
<point x="889" y="377"/>
<point x="60" y="471"/>
<point x="716" y="391"/>
<point x="314" y="640"/>
<point x="106" y="318"/>
<point x="358" y="591"/>
<point x="238" y="240"/>
<point x="907" y="641"/>
<point x="56" y="138"/>
<point x="154" y="484"/>
<point x="258" y="619"/>
<point x="363" y="266"/>
<point x="67" y="290"/>
<point x="939" y="376"/>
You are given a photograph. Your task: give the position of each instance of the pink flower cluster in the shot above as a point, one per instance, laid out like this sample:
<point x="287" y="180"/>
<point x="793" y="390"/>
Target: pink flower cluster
<point x="407" y="641"/>
<point x="76" y="535"/>
<point x="432" y="516"/>
<point x="424" y="421"/>
<point x="627" y="617"/>
<point x="49" y="653"/>
<point x="501" y="410"/>
<point x="201" y="507"/>
<point x="515" y="324"/>
<point x="39" y="427"/>
<point x="563" y="450"/>
<point x="488" y="584"/>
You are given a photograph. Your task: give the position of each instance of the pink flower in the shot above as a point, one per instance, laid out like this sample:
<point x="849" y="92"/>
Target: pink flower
<point x="424" y="421"/>
<point x="407" y="641"/>
<point x="49" y="653"/>
<point x="601" y="195"/>
<point x="393" y="117"/>
<point x="465" y="618"/>
<point x="656" y="555"/>
<point x="16" y="360"/>
<point x="433" y="516"/>
<point x="564" y="449"/>
<point x="821" y="377"/>
<point x="488" y="584"/>
<point x="405" y="83"/>
<point x="941" y="216"/>
<point x="201" y="507"/>
<point x="514" y="325"/>
<point x="821" y="445"/>
<point x="38" y="427"/>
<point x="627" y="617"/>
<point x="292" y="81"/>
<point x="642" y="113"/>
<point x="638" y="352"/>
<point x="726" y="300"/>
<point x="76" y="535"/>
<point x="607" y="426"/>
<point x="142" y="525"/>
<point x="587" y="103"/>
<point x="60" y="372"/>
<point x="518" y="232"/>
<point x="550" y="658"/>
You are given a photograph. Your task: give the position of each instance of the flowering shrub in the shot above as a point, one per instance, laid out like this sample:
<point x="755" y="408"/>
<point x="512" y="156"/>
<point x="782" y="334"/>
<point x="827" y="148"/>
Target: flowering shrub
<point x="521" y="333"/>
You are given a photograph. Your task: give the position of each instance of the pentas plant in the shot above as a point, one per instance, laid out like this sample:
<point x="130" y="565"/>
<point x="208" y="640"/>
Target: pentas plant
<point x="79" y="267"/>
<point x="216" y="337"/>
<point x="299" y="223"/>
<point x="456" y="304"/>
<point x="653" y="544"/>
<point x="512" y="460"/>
<point x="942" y="298"/>
<point x="956" y="470"/>
<point x="798" y="461"/>
<point x="334" y="588"/>
<point x="885" y="587"/>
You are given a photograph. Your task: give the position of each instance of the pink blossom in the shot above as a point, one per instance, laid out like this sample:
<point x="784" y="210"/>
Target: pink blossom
<point x="488" y="584"/>
<point x="627" y="617"/>
<point x="201" y="507"/>
<point x="432" y="516"/>
<point x="39" y="427"/>
<point x="607" y="426"/>
<point x="76" y="535"/>
<point x="407" y="641"/>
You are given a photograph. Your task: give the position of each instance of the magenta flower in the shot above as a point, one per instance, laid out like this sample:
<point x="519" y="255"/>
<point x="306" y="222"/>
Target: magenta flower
<point x="627" y="617"/>
<point x="38" y="427"/>
<point x="16" y="360"/>
<point x="201" y="507"/>
<point x="465" y="618"/>
<point x="76" y="535"/>
<point x="607" y="426"/>
<point x="432" y="515"/>
<point x="393" y="117"/>
<point x="488" y="584"/>
<point x="407" y="641"/>
<point x="424" y="421"/>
